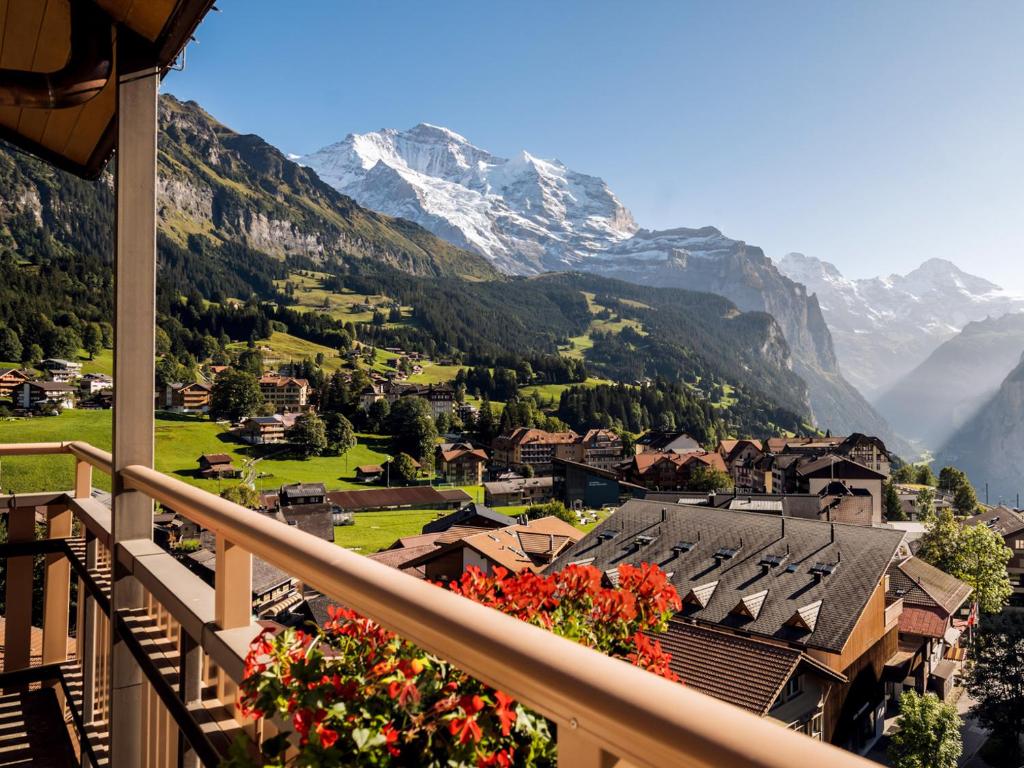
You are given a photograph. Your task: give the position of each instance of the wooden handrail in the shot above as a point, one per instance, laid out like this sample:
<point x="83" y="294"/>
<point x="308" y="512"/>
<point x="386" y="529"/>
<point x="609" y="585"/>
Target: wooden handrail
<point x="623" y="710"/>
<point x="101" y="460"/>
<point x="32" y="449"/>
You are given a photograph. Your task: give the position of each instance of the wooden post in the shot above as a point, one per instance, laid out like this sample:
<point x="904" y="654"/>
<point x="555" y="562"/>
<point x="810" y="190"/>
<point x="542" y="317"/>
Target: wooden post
<point x="83" y="479"/>
<point x="233" y="582"/>
<point x="232" y="605"/>
<point x="577" y="752"/>
<point x="88" y="631"/>
<point x="134" y="350"/>
<point x="56" y="589"/>
<point x="189" y="690"/>
<point x="21" y="526"/>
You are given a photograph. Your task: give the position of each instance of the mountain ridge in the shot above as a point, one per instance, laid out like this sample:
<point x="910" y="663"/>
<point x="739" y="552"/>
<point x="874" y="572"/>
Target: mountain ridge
<point x="944" y="391"/>
<point x="215" y="182"/>
<point x="238" y="220"/>
<point x="526" y="214"/>
<point x="989" y="446"/>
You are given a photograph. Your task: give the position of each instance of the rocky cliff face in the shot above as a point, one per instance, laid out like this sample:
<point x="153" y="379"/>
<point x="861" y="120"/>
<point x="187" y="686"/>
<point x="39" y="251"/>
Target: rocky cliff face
<point x="529" y="215"/>
<point x="706" y="260"/>
<point x="990" y="446"/>
<point x="227" y="186"/>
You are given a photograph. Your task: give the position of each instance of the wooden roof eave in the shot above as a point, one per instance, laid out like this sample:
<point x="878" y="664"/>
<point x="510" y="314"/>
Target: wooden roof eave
<point x="137" y="48"/>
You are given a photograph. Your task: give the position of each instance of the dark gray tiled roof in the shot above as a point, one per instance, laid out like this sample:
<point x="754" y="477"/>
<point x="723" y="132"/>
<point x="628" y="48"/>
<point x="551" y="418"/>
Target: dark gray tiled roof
<point x="861" y="554"/>
<point x="466" y="516"/>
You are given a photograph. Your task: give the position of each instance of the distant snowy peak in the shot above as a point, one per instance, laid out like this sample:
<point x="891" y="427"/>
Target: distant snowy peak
<point x="884" y="326"/>
<point x="797" y="267"/>
<point x="668" y="246"/>
<point x="526" y="214"/>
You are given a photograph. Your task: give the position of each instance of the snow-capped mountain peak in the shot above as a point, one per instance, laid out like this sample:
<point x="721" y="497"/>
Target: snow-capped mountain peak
<point x="884" y="326"/>
<point x="525" y="213"/>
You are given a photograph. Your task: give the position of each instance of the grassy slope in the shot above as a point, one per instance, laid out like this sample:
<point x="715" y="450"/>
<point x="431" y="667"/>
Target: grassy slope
<point x="104" y="362"/>
<point x="374" y="531"/>
<point x="282" y="348"/>
<point x="179" y="442"/>
<point x="310" y="295"/>
<point x="435" y="374"/>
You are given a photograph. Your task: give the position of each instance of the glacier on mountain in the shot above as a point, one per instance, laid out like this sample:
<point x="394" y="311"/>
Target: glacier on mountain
<point x="526" y="214"/>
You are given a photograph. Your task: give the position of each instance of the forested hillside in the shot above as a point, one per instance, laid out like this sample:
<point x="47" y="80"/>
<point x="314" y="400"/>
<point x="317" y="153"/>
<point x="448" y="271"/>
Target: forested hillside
<point x="238" y="220"/>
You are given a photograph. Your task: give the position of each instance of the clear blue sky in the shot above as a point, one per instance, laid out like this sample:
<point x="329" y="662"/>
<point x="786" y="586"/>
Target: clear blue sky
<point x="871" y="134"/>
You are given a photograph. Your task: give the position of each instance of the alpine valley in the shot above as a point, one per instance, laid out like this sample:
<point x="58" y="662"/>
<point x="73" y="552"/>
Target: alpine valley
<point x="246" y="236"/>
<point x="527" y="215"/>
<point x="514" y="264"/>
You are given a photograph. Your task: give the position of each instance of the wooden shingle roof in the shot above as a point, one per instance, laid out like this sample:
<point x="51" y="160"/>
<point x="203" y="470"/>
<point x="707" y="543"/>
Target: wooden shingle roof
<point x="920" y="583"/>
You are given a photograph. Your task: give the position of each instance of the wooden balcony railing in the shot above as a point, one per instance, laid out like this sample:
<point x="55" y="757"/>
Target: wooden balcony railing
<point x="189" y="640"/>
<point x="893" y="611"/>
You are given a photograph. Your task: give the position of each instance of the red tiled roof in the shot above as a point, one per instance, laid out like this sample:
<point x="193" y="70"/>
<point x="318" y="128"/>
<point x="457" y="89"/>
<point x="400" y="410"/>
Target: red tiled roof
<point x="460" y="453"/>
<point x="713" y="460"/>
<point x="928" y="622"/>
<point x="375" y="498"/>
<point x="523" y="435"/>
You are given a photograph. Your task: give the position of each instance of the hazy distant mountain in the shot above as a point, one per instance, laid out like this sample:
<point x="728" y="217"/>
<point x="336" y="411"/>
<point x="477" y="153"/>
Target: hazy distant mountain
<point x="885" y="326"/>
<point x="950" y="386"/>
<point x="529" y="215"/>
<point x="990" y="445"/>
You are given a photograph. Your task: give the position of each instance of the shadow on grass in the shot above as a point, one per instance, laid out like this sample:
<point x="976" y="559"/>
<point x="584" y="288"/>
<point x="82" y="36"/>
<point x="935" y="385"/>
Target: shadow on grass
<point x="190" y="417"/>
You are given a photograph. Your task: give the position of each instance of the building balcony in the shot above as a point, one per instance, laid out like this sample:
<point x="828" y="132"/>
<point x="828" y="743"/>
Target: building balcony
<point x="143" y="620"/>
<point x="893" y="611"/>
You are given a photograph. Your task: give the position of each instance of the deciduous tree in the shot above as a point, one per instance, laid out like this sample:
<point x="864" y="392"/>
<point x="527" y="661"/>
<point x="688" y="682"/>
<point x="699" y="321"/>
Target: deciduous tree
<point x="242" y="494"/>
<point x="412" y="428"/>
<point x="403" y="469"/>
<point x="996" y="680"/>
<point x="341" y="437"/>
<point x="705" y="479"/>
<point x="92" y="340"/>
<point x="975" y="554"/>
<point x="927" y="735"/>
<point x="309" y="435"/>
<point x="10" y="345"/>
<point x="236" y="395"/>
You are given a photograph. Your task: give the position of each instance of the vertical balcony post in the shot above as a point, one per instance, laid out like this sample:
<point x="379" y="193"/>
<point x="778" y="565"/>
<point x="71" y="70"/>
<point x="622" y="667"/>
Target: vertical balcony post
<point x="232" y="605"/>
<point x="88" y="633"/>
<point x="21" y="526"/>
<point x="134" y="348"/>
<point x="189" y="690"/>
<point x="578" y="752"/>
<point x="83" y="479"/>
<point x="56" y="589"/>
